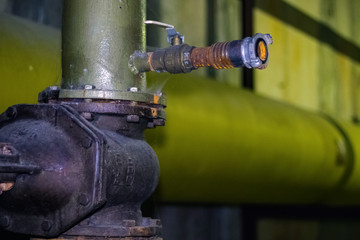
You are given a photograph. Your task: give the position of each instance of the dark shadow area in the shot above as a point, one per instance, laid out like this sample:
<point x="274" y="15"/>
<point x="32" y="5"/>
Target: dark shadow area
<point x="47" y="12"/>
<point x="154" y="33"/>
<point x="247" y="30"/>
<point x="4" y="235"/>
<point x="251" y="214"/>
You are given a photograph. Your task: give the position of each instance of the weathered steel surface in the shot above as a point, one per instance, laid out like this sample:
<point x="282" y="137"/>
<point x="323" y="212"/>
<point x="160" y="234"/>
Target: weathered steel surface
<point x="98" y="38"/>
<point x="81" y="165"/>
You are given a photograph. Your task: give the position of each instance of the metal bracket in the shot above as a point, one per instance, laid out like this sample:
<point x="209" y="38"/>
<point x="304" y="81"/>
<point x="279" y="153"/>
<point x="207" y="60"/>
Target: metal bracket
<point x="173" y="37"/>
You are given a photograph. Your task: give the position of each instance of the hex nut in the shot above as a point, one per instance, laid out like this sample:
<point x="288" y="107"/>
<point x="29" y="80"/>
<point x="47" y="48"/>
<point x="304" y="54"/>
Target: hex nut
<point x="89" y="87"/>
<point x="83" y="199"/>
<point x="128" y="223"/>
<point x="133" y="118"/>
<point x="133" y="89"/>
<point x="46" y="225"/>
<point x="11" y="112"/>
<point x="150" y="125"/>
<point x="87" y="115"/>
<point x="53" y="88"/>
<point x="4" y="221"/>
<point x="159" y="122"/>
<point x="86" y="142"/>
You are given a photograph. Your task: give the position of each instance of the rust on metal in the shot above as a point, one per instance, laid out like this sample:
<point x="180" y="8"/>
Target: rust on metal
<point x="7" y="150"/>
<point x="215" y="56"/>
<point x="6" y="186"/>
<point x="149" y="61"/>
<point x="154" y="112"/>
<point x="156" y="98"/>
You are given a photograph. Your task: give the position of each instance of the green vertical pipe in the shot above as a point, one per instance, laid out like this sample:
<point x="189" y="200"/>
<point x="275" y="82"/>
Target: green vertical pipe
<point x="98" y="36"/>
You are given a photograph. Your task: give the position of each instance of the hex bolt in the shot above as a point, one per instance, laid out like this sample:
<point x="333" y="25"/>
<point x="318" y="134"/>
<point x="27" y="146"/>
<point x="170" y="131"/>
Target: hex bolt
<point x="146" y="221"/>
<point x="159" y="122"/>
<point x="133" y="89"/>
<point x="157" y="222"/>
<point x="87" y="115"/>
<point x="4" y="221"/>
<point x="83" y="199"/>
<point x="11" y="112"/>
<point x="46" y="225"/>
<point x="53" y="88"/>
<point x="86" y="142"/>
<point x="132" y="118"/>
<point x="152" y="222"/>
<point x="128" y="223"/>
<point x="89" y="87"/>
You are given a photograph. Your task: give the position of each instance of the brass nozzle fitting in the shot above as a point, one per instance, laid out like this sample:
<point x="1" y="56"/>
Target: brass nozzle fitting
<point x="250" y="52"/>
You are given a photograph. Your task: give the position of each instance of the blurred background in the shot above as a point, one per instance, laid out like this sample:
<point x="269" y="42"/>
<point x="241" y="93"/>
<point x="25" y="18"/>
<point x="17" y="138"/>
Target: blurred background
<point x="314" y="65"/>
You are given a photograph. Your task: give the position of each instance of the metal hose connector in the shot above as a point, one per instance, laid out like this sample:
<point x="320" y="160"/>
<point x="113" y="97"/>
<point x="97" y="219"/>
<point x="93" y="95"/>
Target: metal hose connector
<point x="250" y="52"/>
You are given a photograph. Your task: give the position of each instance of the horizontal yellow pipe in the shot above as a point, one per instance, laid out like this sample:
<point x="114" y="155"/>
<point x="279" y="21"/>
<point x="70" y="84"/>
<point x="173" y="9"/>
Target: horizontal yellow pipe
<point x="220" y="144"/>
<point x="29" y="60"/>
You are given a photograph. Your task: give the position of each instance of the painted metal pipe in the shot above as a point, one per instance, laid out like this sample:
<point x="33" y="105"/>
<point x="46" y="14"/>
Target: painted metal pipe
<point x="220" y="144"/>
<point x="105" y="24"/>
<point x="29" y="60"/>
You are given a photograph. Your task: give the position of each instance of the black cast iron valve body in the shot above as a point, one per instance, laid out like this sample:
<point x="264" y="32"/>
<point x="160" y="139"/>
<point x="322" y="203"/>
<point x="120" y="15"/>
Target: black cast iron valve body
<point x="250" y="52"/>
<point x="64" y="167"/>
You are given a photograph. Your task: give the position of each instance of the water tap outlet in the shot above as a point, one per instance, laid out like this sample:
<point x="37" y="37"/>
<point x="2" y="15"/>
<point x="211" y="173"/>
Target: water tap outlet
<point x="250" y="52"/>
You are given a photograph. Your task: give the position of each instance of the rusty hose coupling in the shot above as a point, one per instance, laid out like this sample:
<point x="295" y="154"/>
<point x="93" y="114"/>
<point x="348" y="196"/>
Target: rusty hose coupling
<point x="250" y="52"/>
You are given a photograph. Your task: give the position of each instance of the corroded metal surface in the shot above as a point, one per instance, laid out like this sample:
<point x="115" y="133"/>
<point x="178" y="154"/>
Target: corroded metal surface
<point x="215" y="56"/>
<point x="78" y="161"/>
<point x="6" y="186"/>
<point x="82" y="164"/>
